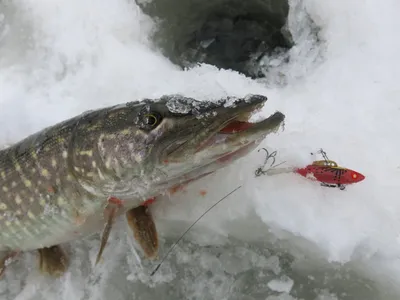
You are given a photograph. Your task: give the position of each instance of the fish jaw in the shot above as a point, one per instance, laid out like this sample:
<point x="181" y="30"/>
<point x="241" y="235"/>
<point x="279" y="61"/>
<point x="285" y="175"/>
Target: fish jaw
<point x="239" y="136"/>
<point x="223" y="148"/>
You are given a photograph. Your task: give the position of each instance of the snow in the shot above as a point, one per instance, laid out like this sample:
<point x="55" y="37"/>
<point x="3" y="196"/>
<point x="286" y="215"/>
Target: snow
<point x="58" y="59"/>
<point x="284" y="284"/>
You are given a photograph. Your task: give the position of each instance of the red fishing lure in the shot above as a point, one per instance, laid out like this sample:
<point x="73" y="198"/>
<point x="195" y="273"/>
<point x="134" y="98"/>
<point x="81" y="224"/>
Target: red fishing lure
<point x="330" y="174"/>
<point x="325" y="171"/>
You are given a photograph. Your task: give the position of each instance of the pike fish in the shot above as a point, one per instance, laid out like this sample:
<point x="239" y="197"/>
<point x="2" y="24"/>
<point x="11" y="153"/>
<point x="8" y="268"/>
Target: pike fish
<point x="70" y="180"/>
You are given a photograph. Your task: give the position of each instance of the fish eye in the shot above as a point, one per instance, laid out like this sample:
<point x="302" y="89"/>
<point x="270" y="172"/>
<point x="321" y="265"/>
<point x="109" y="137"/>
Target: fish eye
<point x="151" y="119"/>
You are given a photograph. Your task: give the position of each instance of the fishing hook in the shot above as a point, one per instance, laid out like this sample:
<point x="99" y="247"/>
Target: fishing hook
<point x="261" y="171"/>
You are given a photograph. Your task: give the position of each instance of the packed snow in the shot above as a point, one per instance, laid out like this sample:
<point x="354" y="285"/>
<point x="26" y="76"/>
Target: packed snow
<point x="277" y="237"/>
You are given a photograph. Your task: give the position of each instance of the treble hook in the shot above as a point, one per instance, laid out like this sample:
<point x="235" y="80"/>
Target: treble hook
<point x="260" y="171"/>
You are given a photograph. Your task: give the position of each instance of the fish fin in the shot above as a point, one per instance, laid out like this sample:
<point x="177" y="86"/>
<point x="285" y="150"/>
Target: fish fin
<point x="53" y="260"/>
<point x="106" y="232"/>
<point x="140" y="220"/>
<point x="6" y="259"/>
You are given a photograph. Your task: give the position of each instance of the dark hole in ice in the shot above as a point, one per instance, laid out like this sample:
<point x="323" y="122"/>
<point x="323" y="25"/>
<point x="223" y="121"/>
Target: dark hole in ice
<point x="229" y="34"/>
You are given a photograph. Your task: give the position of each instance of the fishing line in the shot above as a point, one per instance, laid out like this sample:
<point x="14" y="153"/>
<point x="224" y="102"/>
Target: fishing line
<point x="198" y="219"/>
<point x="260" y="171"/>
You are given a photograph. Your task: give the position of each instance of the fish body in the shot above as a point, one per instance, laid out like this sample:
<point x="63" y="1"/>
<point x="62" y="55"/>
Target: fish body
<point x="44" y="196"/>
<point x="55" y="184"/>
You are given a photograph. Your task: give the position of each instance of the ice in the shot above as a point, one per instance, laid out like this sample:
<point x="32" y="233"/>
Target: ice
<point x="282" y="296"/>
<point x="179" y="105"/>
<point x="235" y="262"/>
<point x="324" y="295"/>
<point x="60" y="58"/>
<point x="283" y="284"/>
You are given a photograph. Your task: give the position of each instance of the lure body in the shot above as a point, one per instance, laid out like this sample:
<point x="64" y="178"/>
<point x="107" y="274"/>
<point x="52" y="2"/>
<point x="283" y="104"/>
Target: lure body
<point x="329" y="173"/>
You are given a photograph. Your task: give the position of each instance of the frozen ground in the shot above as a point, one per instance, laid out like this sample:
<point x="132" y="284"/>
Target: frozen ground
<point x="278" y="237"/>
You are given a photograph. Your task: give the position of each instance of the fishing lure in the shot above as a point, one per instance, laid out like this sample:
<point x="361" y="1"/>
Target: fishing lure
<point x="325" y="171"/>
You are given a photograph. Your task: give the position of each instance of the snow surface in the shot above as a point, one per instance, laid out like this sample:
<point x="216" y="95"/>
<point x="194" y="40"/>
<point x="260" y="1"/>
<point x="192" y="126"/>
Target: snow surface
<point x="60" y="58"/>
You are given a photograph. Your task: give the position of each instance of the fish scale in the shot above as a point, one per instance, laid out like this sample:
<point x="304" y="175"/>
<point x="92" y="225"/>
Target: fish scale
<point x="37" y="176"/>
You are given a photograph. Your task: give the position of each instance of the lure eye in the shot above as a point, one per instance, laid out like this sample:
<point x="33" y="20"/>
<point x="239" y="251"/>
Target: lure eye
<point x="354" y="175"/>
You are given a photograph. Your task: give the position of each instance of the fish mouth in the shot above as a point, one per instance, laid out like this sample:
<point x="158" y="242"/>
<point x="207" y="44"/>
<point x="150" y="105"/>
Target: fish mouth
<point x="240" y="120"/>
<point x="240" y="131"/>
<point x="235" y="126"/>
<point x="233" y="140"/>
<point x="225" y="136"/>
<point x="224" y="126"/>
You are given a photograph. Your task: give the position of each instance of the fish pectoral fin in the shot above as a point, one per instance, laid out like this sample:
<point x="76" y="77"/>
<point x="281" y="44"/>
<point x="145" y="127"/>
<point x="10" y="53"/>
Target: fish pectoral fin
<point x="53" y="261"/>
<point x="140" y="220"/>
<point x="6" y="260"/>
<point x="106" y="231"/>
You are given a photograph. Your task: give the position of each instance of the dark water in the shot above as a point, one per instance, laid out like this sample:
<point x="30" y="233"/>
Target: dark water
<point x="230" y="34"/>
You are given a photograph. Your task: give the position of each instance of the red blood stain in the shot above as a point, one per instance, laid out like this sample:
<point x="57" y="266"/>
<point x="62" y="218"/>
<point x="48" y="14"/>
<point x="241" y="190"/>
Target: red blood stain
<point x="149" y="201"/>
<point x="203" y="193"/>
<point x="176" y="189"/>
<point x="116" y="201"/>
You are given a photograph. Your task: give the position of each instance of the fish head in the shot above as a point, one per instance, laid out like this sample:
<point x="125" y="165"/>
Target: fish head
<point x="159" y="143"/>
<point x="215" y="133"/>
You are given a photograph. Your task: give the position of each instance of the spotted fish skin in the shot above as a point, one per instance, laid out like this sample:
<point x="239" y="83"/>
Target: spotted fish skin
<point x="42" y="183"/>
<point x="54" y="184"/>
